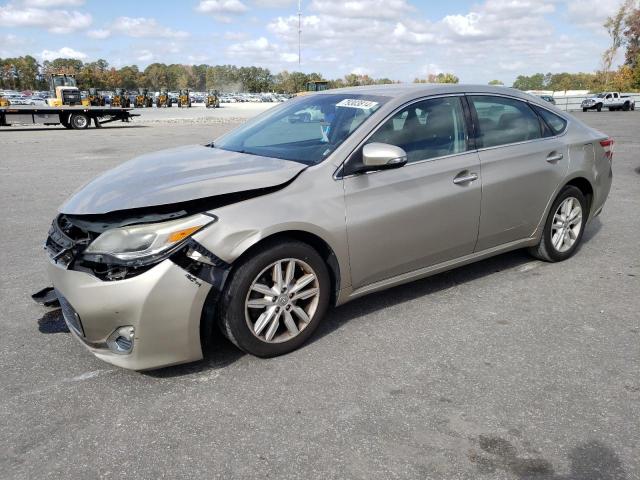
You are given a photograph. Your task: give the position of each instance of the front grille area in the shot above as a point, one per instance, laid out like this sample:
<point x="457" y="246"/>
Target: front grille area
<point x="65" y="241"/>
<point x="70" y="315"/>
<point x="71" y="97"/>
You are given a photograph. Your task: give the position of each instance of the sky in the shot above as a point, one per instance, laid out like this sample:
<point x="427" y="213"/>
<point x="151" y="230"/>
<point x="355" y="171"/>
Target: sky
<point x="478" y="40"/>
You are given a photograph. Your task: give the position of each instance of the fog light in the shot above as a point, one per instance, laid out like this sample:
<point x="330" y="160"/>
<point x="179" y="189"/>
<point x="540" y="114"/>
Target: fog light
<point x="121" y="340"/>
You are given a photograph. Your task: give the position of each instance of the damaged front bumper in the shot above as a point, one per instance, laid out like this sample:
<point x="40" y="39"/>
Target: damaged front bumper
<point x="140" y="319"/>
<point x="163" y="306"/>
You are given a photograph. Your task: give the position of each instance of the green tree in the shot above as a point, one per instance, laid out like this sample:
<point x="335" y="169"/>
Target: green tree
<point x="496" y="82"/>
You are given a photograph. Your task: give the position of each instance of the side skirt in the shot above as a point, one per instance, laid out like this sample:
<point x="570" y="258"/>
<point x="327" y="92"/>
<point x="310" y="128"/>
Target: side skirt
<point x="347" y="296"/>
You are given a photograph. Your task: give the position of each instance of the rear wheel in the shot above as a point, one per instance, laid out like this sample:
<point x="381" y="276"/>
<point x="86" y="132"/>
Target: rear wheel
<point x="626" y="107"/>
<point x="585" y="110"/>
<point x="275" y="299"/>
<point x="564" y="227"/>
<point x="79" y="121"/>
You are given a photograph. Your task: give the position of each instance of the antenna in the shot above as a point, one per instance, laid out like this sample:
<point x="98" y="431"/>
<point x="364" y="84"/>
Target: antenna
<point x="299" y="32"/>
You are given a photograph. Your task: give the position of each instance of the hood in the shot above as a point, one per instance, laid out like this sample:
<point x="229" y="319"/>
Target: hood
<point x="178" y="175"/>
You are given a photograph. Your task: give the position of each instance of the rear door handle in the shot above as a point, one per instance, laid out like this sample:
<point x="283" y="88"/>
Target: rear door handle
<point x="554" y="157"/>
<point x="465" y="178"/>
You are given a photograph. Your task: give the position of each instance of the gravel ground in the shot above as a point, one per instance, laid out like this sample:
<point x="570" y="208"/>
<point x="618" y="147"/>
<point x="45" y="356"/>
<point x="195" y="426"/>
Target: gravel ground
<point x="506" y="369"/>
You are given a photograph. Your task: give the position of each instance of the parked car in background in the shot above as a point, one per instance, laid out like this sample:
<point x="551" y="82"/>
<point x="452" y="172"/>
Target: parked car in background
<point x="611" y="100"/>
<point x="548" y="98"/>
<point x="323" y="199"/>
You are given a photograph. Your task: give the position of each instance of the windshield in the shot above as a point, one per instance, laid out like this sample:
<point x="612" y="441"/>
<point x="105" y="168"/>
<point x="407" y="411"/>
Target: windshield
<point x="306" y="130"/>
<point x="64" y="81"/>
<point x="601" y="95"/>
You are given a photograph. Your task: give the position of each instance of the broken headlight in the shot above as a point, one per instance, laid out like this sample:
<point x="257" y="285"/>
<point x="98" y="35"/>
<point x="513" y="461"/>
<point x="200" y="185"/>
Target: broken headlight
<point x="144" y="243"/>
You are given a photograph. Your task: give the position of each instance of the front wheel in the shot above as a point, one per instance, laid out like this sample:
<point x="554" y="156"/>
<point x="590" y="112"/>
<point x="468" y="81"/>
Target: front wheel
<point x="585" y="110"/>
<point x="599" y="108"/>
<point x="275" y="299"/>
<point x="79" y="121"/>
<point x="564" y="227"/>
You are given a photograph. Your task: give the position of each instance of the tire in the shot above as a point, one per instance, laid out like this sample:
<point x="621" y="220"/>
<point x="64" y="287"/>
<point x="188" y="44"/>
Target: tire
<point x="238" y="321"/>
<point x="585" y="110"/>
<point x="626" y="107"/>
<point x="546" y="250"/>
<point x="599" y="108"/>
<point x="79" y="121"/>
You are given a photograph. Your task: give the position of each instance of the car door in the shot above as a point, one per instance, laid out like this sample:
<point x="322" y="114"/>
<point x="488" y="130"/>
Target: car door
<point x="608" y="100"/>
<point x="522" y="165"/>
<point x="421" y="214"/>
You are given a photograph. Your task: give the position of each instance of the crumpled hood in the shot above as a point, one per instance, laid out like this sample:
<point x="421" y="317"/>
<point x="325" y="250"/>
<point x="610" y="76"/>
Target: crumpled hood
<point x="178" y="175"/>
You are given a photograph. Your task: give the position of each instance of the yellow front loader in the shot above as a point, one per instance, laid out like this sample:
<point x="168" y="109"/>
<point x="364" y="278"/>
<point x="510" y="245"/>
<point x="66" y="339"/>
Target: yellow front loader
<point x="121" y="99"/>
<point x="184" y="100"/>
<point x="213" y="99"/>
<point x="143" y="99"/>
<point x="95" y="99"/>
<point x="64" y="91"/>
<point x="163" y="99"/>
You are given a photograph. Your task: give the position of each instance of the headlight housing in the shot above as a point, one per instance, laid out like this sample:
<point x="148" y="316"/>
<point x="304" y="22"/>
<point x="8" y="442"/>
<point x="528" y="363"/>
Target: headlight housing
<point x="145" y="243"/>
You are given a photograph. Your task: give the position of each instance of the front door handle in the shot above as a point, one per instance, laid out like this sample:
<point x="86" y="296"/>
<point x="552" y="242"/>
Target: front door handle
<point x="554" y="157"/>
<point x="465" y="177"/>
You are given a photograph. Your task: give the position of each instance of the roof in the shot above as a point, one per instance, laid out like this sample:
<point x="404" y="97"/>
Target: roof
<point x="402" y="89"/>
<point x="408" y="91"/>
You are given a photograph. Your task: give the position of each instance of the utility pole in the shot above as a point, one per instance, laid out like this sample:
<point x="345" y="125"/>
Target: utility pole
<point x="299" y="32"/>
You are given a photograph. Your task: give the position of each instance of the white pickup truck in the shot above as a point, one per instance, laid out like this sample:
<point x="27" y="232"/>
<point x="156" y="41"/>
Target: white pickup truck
<point x="611" y="100"/>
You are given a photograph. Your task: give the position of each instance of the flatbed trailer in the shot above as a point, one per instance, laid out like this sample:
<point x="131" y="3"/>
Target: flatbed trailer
<point x="78" y="117"/>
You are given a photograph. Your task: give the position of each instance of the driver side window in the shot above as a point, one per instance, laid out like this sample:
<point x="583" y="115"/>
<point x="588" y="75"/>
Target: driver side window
<point x="428" y="129"/>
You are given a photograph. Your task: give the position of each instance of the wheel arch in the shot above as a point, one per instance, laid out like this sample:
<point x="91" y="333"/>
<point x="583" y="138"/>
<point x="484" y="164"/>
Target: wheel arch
<point x="209" y="319"/>
<point x="584" y="185"/>
<point x="316" y="242"/>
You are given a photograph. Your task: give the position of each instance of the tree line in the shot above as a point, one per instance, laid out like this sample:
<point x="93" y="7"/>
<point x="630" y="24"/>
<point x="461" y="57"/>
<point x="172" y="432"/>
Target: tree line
<point x="25" y="73"/>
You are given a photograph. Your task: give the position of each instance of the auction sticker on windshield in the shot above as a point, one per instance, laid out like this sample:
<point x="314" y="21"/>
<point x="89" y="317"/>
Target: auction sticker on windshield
<point x="356" y="103"/>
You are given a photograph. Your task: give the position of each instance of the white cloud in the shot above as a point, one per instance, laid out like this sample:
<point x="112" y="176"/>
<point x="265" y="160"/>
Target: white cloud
<point x="222" y="7"/>
<point x="273" y="3"/>
<point x="144" y="27"/>
<point x="145" y="56"/>
<point x="235" y="36"/>
<point x="99" y="34"/>
<point x="53" y="3"/>
<point x="260" y="51"/>
<point x="381" y="9"/>
<point x="582" y="12"/>
<point x="58" y="21"/>
<point x="64" y="52"/>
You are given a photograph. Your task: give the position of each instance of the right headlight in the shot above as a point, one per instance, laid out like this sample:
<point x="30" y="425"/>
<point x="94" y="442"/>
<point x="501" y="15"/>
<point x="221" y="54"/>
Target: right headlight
<point x="141" y="243"/>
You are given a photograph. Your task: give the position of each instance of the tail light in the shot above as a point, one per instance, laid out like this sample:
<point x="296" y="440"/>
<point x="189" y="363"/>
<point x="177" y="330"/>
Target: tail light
<point x="607" y="145"/>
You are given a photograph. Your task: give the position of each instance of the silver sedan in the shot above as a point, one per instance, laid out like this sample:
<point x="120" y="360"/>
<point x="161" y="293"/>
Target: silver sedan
<point x="323" y="199"/>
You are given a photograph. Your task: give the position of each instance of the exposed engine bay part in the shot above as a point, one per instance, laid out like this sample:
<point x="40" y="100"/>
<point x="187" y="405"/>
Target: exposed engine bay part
<point x="69" y="238"/>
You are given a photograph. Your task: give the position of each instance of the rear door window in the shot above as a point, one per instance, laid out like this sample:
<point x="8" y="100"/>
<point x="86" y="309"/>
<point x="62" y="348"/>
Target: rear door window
<point x="504" y="120"/>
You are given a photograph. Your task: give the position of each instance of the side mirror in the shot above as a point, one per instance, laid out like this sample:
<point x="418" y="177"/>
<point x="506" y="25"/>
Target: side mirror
<point x="382" y="156"/>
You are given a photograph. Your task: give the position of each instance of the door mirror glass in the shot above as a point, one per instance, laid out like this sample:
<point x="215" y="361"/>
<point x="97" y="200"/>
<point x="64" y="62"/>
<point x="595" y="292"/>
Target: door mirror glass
<point x="382" y="156"/>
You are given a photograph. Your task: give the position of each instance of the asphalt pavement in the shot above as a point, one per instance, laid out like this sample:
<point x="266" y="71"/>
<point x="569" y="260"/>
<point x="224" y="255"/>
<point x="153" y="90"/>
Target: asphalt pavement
<point x="510" y="368"/>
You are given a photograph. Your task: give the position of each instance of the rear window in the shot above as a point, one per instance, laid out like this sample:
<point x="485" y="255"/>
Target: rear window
<point x="555" y="123"/>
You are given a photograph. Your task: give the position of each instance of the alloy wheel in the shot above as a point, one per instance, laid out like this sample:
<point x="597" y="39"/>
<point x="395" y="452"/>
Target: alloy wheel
<point x="282" y="300"/>
<point x="567" y="224"/>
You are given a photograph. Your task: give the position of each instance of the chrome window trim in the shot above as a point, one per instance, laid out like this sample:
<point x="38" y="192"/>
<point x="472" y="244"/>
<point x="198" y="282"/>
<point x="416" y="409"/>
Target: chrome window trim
<point x="338" y="176"/>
